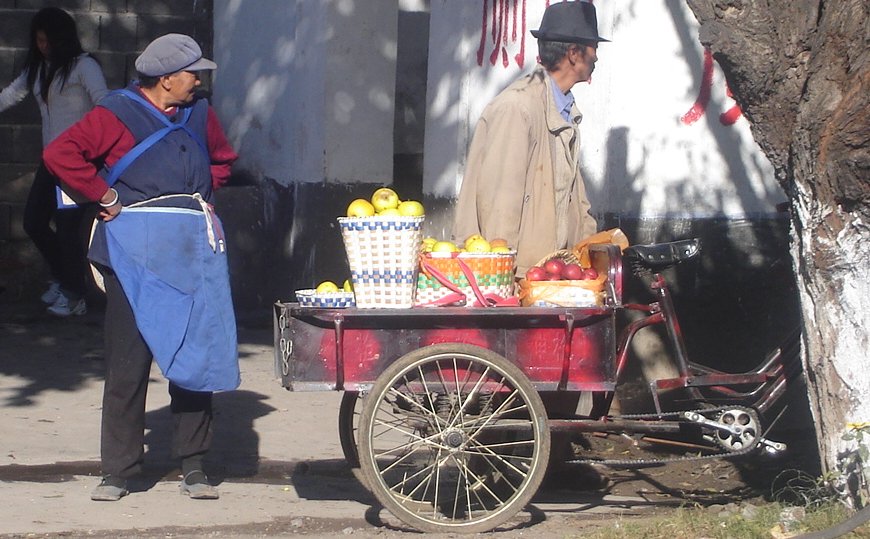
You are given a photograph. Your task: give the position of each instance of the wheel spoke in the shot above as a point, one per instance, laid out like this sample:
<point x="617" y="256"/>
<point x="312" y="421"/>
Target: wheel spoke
<point x="497" y="413"/>
<point x="450" y="439"/>
<point x="470" y="486"/>
<point x="486" y="454"/>
<point x="469" y="396"/>
<point x="422" y="409"/>
<point x="428" y="396"/>
<point x="436" y="465"/>
<point x="500" y="445"/>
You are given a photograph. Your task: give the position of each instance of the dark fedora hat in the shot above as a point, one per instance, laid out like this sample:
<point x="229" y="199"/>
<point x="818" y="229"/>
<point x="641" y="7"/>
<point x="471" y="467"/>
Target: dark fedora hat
<point x="569" y="22"/>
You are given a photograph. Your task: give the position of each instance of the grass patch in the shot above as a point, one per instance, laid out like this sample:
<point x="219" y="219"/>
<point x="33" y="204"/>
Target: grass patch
<point x="733" y="521"/>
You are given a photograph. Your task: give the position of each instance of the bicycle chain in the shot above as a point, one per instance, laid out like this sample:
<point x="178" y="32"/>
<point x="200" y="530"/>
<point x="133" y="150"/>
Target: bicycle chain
<point x="652" y="461"/>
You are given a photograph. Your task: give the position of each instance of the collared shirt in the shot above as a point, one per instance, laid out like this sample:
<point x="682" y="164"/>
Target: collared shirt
<point x="564" y="102"/>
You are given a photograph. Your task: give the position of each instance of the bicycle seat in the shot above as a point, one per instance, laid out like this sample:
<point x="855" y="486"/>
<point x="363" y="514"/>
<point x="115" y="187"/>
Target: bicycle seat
<point x="660" y="256"/>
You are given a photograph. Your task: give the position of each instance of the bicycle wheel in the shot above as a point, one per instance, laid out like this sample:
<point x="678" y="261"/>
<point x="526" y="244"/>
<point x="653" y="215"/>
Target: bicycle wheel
<point x="348" y="423"/>
<point x="453" y="438"/>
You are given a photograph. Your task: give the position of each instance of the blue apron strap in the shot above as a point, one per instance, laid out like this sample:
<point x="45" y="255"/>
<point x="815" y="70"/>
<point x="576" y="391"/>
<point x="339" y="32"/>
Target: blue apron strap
<point x="183" y="123"/>
<point x="152" y="139"/>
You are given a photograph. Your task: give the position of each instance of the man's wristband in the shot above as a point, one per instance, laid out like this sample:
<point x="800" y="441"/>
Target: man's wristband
<point x="113" y="202"/>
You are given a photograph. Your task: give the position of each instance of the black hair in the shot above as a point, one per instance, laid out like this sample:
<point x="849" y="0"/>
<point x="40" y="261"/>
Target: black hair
<point x="147" y="81"/>
<point x="552" y="52"/>
<point x="63" y="38"/>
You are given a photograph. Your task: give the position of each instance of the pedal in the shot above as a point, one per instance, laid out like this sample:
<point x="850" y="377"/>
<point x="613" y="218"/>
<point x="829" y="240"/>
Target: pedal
<point x="771" y="447"/>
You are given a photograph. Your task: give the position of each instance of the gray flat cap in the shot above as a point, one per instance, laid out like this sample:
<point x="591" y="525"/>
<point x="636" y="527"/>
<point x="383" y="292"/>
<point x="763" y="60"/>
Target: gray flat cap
<point x="170" y="53"/>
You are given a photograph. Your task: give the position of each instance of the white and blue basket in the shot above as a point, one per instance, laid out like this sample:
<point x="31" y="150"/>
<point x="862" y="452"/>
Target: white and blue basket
<point x="383" y="255"/>
<point x="328" y="300"/>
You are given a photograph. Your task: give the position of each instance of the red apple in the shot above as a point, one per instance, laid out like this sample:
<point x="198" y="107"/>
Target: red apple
<point x="590" y="274"/>
<point x="554" y="266"/>
<point x="572" y="272"/>
<point x="553" y="277"/>
<point x="536" y="273"/>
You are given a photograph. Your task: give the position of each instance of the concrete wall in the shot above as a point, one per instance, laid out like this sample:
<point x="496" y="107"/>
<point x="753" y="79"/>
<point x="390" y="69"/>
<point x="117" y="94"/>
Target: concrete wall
<point x="665" y="155"/>
<point x="308" y="88"/>
<point x="326" y="100"/>
<point x="307" y="92"/>
<point x="648" y="149"/>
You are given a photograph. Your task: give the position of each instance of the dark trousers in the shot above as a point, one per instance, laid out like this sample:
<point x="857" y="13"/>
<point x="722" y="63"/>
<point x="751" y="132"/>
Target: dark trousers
<point x="128" y="367"/>
<point x="64" y="246"/>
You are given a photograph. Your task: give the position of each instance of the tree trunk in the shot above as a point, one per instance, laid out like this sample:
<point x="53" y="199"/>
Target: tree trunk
<point x="800" y="70"/>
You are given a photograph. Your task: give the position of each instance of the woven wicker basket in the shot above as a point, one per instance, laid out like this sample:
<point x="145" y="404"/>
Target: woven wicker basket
<point x="565" y="255"/>
<point x="382" y="253"/>
<point x="562" y="293"/>
<point x="330" y="300"/>
<point x="493" y="273"/>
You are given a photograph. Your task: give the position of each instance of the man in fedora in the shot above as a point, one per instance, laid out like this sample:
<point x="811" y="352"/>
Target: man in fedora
<point x="522" y="179"/>
<point x="152" y="155"/>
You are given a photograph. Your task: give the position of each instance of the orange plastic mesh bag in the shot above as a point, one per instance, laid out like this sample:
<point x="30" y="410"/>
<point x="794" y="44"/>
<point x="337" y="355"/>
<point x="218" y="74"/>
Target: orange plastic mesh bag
<point x="587" y="293"/>
<point x="614" y="236"/>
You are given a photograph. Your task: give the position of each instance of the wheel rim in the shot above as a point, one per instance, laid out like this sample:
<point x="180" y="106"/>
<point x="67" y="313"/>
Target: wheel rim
<point x="455" y="440"/>
<point x="348" y="424"/>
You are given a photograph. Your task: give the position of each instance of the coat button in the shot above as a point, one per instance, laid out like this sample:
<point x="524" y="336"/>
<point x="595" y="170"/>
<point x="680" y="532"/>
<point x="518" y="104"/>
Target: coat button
<point x="183" y="148"/>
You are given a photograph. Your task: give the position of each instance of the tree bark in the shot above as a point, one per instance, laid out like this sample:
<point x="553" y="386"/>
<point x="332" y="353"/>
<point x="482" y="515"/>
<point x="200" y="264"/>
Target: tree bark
<point x="800" y="70"/>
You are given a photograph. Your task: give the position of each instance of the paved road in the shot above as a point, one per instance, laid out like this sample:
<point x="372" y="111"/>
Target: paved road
<point x="276" y="454"/>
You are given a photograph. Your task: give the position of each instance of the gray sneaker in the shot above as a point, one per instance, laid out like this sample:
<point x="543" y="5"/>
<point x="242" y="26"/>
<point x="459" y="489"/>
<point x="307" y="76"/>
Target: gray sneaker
<point x="65" y="307"/>
<point x="110" y="489"/>
<point x="51" y="295"/>
<point x="196" y="485"/>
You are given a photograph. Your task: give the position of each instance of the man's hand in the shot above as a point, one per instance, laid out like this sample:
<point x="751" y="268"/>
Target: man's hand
<point x="111" y="204"/>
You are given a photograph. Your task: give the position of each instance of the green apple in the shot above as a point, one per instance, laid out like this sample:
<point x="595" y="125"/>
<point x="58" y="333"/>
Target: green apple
<point x="411" y="208"/>
<point x="385" y="198"/>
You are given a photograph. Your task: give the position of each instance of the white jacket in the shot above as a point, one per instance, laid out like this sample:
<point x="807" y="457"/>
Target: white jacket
<point x="83" y="88"/>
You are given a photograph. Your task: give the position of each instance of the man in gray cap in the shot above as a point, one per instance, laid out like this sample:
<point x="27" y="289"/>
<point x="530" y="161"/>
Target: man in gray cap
<point x="152" y="155"/>
<point x="522" y="178"/>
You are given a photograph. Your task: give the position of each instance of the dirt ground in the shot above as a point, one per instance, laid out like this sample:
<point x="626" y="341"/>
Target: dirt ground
<point x="277" y="459"/>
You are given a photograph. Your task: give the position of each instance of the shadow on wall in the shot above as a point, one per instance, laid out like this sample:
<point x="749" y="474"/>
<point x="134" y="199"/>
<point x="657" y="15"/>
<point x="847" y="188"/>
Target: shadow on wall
<point x="287" y="237"/>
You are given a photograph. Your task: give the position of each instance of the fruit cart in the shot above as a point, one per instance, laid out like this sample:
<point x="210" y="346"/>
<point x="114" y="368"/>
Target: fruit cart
<point x="443" y="409"/>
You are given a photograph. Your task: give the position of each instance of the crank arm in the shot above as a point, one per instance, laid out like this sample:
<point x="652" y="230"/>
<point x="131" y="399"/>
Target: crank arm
<point x="770" y="446"/>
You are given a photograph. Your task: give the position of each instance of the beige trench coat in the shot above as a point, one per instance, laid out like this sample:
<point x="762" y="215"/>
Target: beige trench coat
<point x="520" y="145"/>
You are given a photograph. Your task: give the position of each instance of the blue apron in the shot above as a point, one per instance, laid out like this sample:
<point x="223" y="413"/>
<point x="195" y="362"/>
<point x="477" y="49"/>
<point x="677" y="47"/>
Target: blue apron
<point x="172" y="264"/>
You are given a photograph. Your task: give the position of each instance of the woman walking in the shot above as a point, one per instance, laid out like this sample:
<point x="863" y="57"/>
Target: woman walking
<point x="66" y="82"/>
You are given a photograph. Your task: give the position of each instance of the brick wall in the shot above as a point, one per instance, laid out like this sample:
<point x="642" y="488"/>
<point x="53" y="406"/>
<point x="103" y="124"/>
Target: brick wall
<point x="114" y="31"/>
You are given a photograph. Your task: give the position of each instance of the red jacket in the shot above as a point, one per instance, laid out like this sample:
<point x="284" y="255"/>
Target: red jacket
<point x="100" y="137"/>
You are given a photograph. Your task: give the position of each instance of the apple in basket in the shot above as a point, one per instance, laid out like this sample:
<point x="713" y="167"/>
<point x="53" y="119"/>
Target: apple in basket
<point x="478" y="245"/>
<point x="360" y="208"/>
<point x="572" y="272"/>
<point x="411" y="208"/>
<point x="536" y="273"/>
<point x="385" y="198"/>
<point x="554" y="266"/>
<point x="444" y="247"/>
<point x="326" y="287"/>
